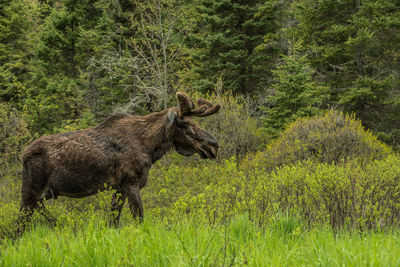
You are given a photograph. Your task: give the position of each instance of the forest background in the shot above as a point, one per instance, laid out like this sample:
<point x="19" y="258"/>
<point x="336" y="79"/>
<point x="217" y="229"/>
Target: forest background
<point x="67" y="64"/>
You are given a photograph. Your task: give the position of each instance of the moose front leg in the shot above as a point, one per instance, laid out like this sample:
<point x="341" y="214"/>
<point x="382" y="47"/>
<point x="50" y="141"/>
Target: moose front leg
<point x="117" y="204"/>
<point x="135" y="202"/>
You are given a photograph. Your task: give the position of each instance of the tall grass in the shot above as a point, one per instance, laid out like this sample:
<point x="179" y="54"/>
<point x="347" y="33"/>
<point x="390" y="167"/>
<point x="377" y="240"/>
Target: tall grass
<point x="191" y="241"/>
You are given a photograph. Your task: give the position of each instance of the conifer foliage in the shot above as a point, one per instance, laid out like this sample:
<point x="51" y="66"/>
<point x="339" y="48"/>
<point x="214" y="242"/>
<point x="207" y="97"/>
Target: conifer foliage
<point x="354" y="45"/>
<point x="15" y="48"/>
<point x="233" y="41"/>
<point x="296" y="93"/>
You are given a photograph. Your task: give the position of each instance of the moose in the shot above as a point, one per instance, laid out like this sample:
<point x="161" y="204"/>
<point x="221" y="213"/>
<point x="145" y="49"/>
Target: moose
<point x="117" y="153"/>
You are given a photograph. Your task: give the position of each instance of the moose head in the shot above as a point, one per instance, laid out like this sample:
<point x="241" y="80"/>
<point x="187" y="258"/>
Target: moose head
<point x="189" y="138"/>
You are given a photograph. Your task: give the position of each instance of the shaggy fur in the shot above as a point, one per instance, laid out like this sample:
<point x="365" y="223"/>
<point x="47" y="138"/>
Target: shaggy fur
<point x="117" y="153"/>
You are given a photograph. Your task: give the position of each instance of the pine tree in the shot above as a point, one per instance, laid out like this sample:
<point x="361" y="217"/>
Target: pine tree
<point x="16" y="22"/>
<point x="296" y="93"/>
<point x="230" y="43"/>
<point x="53" y="93"/>
<point x="354" y="47"/>
<point x="62" y="51"/>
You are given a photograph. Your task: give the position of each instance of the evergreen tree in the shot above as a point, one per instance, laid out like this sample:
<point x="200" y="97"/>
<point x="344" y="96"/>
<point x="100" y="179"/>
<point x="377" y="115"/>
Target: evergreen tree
<point x="16" y="22"/>
<point x="102" y="53"/>
<point x="233" y="40"/>
<point x="54" y="92"/>
<point x="65" y="85"/>
<point x="354" y="46"/>
<point x="296" y="93"/>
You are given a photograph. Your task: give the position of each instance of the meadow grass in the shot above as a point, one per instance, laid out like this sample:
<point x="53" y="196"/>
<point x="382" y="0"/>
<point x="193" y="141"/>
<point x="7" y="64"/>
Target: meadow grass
<point x="192" y="241"/>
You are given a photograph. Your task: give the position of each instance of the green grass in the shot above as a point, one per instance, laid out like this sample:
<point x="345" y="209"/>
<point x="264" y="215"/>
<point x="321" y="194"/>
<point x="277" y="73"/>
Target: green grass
<point x="191" y="241"/>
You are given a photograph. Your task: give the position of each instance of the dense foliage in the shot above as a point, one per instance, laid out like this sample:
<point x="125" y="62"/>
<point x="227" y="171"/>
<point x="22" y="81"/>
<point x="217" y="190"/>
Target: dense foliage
<point x="354" y="46"/>
<point x="229" y="42"/>
<point x="327" y="168"/>
<point x="62" y="60"/>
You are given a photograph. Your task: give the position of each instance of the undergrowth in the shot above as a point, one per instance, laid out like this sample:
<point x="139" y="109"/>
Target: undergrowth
<point x="347" y="195"/>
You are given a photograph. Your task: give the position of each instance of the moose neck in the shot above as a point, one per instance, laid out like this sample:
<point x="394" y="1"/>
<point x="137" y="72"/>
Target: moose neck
<point x="158" y="135"/>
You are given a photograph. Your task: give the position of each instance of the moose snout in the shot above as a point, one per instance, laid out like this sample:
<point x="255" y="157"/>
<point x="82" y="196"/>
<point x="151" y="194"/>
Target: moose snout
<point x="210" y="140"/>
<point x="213" y="147"/>
<point x="208" y="147"/>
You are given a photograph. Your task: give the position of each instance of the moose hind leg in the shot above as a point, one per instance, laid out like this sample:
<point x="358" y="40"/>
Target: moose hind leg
<point x="33" y="183"/>
<point x="117" y="204"/>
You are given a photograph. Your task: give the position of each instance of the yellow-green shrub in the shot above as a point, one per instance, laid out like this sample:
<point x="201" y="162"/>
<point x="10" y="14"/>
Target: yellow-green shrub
<point x="313" y="185"/>
<point x="333" y="137"/>
<point x="348" y="194"/>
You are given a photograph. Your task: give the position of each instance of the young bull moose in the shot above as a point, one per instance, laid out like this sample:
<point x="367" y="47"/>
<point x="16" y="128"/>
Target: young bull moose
<point x="117" y="153"/>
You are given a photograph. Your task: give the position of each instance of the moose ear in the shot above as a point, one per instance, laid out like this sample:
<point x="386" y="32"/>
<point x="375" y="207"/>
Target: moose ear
<point x="171" y="115"/>
<point x="185" y="103"/>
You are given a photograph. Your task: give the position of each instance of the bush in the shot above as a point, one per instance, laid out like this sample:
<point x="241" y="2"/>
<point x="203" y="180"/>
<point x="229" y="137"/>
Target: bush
<point x="346" y="195"/>
<point x="331" y="138"/>
<point x="343" y="196"/>
<point x="328" y="169"/>
<point x="14" y="135"/>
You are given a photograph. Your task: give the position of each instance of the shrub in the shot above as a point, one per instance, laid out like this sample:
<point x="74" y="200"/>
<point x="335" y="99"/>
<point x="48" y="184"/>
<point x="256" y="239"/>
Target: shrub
<point x="343" y="196"/>
<point x="346" y="195"/>
<point x="331" y="138"/>
<point x="13" y="136"/>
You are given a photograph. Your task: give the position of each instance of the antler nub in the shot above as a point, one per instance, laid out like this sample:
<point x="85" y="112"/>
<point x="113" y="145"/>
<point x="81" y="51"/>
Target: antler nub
<point x="185" y="103"/>
<point x="187" y="107"/>
<point x="207" y="107"/>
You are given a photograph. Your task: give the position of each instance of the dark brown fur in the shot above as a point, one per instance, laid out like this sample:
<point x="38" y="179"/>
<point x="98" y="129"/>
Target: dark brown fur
<point x="117" y="153"/>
